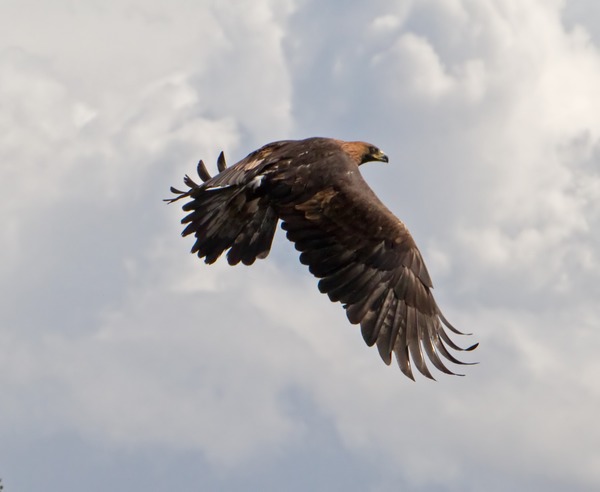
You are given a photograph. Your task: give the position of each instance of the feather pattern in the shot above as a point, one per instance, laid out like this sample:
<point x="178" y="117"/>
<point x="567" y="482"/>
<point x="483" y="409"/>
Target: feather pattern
<point x="363" y="255"/>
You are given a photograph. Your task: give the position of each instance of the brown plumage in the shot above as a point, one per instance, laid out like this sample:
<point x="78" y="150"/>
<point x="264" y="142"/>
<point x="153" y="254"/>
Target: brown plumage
<point x="365" y="256"/>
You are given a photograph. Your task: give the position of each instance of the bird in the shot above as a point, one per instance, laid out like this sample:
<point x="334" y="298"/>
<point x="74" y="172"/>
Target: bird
<point x="363" y="255"/>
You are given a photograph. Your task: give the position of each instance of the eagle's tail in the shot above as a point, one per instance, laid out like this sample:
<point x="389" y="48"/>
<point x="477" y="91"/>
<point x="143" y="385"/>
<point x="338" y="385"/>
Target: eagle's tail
<point x="231" y="217"/>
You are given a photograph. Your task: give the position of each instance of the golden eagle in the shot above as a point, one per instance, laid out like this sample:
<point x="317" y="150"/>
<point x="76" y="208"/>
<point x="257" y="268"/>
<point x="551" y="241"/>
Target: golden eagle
<point x="363" y="255"/>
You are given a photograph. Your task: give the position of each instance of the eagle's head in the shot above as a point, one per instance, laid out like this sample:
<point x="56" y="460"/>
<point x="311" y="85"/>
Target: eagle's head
<point x="362" y="152"/>
<point x="373" y="153"/>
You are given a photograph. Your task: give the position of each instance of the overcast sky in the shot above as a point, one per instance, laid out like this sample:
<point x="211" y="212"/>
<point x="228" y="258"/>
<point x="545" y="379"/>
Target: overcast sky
<point x="127" y="364"/>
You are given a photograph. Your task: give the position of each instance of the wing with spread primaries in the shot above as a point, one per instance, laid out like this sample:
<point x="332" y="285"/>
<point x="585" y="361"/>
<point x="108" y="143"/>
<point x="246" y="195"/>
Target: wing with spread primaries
<point x="229" y="212"/>
<point x="367" y="260"/>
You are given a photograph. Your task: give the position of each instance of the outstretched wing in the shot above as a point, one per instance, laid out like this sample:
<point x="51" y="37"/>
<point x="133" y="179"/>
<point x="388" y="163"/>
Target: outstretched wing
<point x="229" y="212"/>
<point x="367" y="260"/>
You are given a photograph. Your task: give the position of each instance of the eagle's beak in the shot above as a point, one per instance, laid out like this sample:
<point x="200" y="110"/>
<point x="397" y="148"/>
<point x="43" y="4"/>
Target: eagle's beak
<point x="380" y="156"/>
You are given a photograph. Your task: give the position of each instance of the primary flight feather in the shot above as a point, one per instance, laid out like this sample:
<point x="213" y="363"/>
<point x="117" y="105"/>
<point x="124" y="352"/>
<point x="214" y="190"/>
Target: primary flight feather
<point x="363" y="255"/>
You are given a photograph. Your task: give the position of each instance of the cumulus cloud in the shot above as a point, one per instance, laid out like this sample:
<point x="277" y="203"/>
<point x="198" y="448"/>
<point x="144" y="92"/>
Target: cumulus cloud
<point x="113" y="333"/>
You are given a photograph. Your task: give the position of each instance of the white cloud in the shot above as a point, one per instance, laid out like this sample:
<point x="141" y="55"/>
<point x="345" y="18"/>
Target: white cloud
<point x="417" y="65"/>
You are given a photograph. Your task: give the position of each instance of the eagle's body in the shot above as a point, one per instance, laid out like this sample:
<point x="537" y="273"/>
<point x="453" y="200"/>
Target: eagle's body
<point x="365" y="256"/>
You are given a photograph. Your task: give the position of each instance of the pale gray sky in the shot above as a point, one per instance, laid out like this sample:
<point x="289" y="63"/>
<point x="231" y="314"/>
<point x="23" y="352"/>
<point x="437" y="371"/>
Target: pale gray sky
<point x="128" y="364"/>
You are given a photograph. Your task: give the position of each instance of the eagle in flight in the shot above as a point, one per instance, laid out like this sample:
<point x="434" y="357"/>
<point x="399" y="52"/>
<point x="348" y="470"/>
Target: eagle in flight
<point x="363" y="255"/>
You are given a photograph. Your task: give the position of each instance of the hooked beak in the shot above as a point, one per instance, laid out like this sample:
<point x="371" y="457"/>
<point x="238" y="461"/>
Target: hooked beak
<point x="380" y="156"/>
